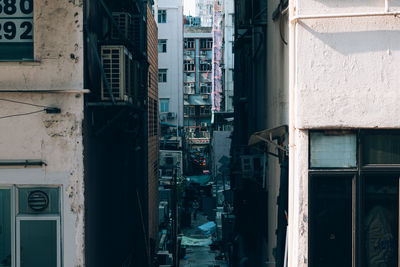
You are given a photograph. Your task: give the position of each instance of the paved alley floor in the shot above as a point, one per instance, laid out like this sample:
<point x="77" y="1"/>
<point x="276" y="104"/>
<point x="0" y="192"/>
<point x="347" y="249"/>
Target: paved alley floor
<point x="199" y="256"/>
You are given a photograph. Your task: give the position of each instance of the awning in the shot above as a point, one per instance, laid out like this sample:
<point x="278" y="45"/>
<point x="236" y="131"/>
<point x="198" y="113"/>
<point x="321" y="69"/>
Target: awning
<point x="269" y="135"/>
<point x="168" y="124"/>
<point x="200" y="179"/>
<point x="198" y="100"/>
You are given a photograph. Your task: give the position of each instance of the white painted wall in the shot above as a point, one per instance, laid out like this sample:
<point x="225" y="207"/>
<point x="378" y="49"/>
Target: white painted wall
<point x="53" y="138"/>
<point x="345" y="75"/>
<point x="172" y="31"/>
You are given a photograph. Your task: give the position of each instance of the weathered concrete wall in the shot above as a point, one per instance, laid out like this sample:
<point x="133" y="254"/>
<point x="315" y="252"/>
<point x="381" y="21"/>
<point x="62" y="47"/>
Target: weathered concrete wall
<point x="53" y="138"/>
<point x="347" y="72"/>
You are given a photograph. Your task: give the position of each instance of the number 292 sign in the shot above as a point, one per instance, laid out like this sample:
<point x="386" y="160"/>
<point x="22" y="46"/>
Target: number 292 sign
<point x="16" y="21"/>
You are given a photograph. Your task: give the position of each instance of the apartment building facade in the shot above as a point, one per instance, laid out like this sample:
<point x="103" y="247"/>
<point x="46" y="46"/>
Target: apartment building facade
<point x="325" y="109"/>
<point x="197" y="76"/>
<point x="204" y="10"/>
<point x="170" y="79"/>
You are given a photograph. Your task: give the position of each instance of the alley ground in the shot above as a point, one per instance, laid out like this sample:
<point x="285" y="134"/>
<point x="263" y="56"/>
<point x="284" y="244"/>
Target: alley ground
<point x="200" y="256"/>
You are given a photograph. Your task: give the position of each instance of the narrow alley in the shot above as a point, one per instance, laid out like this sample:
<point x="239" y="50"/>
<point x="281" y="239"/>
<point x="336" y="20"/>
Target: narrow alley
<point x="199" y="133"/>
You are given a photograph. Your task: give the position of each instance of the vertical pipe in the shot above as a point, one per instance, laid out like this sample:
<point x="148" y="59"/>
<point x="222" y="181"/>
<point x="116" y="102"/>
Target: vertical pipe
<point x="291" y="200"/>
<point x="386" y="5"/>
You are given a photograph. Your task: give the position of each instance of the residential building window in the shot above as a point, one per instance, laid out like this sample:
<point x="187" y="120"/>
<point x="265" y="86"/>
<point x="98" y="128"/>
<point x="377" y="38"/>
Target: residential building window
<point x="162" y="75"/>
<point x="192" y="111"/>
<point x="189" y="88"/>
<point x="206" y="43"/>
<point x="205" y="110"/>
<point x="354" y="197"/>
<point x="16" y="31"/>
<point x="205" y="65"/>
<point x="205" y="88"/>
<point x="188" y="65"/>
<point x="162" y="16"/>
<point x="189" y="43"/>
<point x="189" y="111"/>
<point x="164" y="105"/>
<point x="162" y="46"/>
<point x="35" y="220"/>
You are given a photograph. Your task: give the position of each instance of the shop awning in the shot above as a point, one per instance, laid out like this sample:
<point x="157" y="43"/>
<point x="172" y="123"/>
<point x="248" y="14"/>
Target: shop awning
<point x="200" y="179"/>
<point x="268" y="136"/>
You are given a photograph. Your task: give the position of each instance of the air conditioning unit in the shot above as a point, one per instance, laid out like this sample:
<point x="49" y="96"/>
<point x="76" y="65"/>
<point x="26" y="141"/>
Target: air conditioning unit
<point x="203" y="124"/>
<point x="124" y="22"/>
<point x="163" y="117"/>
<point x="117" y="62"/>
<point x="192" y="130"/>
<point x="171" y="115"/>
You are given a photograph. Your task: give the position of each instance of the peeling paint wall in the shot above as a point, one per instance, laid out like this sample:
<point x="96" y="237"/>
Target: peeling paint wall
<point x="55" y="139"/>
<point x="217" y="32"/>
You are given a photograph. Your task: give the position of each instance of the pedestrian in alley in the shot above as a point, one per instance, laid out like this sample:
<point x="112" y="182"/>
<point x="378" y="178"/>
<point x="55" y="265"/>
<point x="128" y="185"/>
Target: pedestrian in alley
<point x="195" y="206"/>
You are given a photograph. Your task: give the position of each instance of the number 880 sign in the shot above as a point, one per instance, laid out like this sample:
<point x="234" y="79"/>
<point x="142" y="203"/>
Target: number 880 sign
<point x="16" y="21"/>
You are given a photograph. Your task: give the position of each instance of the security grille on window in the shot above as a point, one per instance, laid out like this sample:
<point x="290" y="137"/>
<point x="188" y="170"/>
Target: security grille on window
<point x="205" y="88"/>
<point x="206" y="43"/>
<point x="16" y="30"/>
<point x="192" y="111"/>
<point x="205" y="110"/>
<point x="189" y="43"/>
<point x="354" y="198"/>
<point x="162" y="75"/>
<point x="188" y="65"/>
<point x="205" y="65"/>
<point x="162" y="16"/>
<point x="162" y="46"/>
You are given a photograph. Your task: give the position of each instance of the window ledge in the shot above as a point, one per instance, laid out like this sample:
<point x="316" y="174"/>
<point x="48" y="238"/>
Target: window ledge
<point x="25" y="63"/>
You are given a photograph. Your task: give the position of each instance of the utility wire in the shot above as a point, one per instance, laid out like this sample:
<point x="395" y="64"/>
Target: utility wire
<point x="23" y="103"/>
<point x="22" y="114"/>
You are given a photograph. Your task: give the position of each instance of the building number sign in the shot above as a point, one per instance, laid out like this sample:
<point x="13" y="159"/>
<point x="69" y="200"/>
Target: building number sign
<point x="16" y="21"/>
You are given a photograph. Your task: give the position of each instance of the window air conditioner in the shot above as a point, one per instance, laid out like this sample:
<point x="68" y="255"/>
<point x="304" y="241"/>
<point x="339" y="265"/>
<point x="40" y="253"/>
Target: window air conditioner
<point x="124" y="22"/>
<point x="117" y="62"/>
<point x="204" y="124"/>
<point x="162" y="117"/>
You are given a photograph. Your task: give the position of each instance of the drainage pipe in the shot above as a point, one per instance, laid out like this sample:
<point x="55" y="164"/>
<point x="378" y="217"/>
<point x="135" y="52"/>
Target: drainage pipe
<point x="386" y="12"/>
<point x="291" y="130"/>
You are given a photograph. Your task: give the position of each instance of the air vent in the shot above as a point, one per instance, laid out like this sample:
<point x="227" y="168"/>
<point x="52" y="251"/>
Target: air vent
<point x="38" y="200"/>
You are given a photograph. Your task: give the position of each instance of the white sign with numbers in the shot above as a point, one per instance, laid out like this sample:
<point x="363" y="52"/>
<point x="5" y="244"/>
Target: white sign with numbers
<point x="16" y="21"/>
